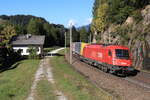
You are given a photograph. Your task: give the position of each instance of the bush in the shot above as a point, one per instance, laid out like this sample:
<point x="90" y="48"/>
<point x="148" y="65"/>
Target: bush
<point x="3" y="53"/>
<point x="13" y="56"/>
<point x="2" y="60"/>
<point x="33" y="53"/>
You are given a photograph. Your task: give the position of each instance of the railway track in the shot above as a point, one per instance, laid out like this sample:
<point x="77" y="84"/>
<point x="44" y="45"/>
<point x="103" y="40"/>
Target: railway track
<point x="133" y="79"/>
<point x="133" y="87"/>
<point x="142" y="79"/>
<point x="139" y="83"/>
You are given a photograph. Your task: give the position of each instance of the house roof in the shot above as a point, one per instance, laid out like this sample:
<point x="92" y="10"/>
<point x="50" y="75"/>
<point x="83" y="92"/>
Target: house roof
<point x="29" y="40"/>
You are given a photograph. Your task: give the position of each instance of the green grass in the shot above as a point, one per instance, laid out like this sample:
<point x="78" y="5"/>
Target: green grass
<point x="45" y="91"/>
<point x="74" y="85"/>
<point x="15" y="84"/>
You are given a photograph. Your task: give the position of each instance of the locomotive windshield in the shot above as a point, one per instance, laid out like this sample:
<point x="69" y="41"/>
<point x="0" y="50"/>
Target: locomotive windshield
<point x="122" y="54"/>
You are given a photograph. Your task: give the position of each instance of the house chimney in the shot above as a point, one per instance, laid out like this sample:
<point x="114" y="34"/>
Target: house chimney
<point x="28" y="36"/>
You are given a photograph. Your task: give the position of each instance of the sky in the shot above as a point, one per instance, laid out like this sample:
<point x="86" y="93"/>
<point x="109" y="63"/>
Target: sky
<point x="66" y="12"/>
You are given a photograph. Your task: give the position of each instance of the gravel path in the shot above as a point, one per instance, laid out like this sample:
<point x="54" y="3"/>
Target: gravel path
<point x="38" y="76"/>
<point x="118" y="87"/>
<point x="45" y="70"/>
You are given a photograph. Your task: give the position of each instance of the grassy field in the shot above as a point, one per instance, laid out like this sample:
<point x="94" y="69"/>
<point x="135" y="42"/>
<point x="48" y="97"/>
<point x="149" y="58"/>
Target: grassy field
<point x="45" y="91"/>
<point x="15" y="83"/>
<point x="74" y="85"/>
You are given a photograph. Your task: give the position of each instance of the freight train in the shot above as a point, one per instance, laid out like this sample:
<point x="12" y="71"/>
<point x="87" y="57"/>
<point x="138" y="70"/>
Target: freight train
<point x="110" y="58"/>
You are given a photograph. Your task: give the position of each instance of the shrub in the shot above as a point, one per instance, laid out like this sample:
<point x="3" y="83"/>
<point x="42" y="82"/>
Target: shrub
<point x="33" y="53"/>
<point x="2" y="60"/>
<point x="13" y="56"/>
<point x="3" y="53"/>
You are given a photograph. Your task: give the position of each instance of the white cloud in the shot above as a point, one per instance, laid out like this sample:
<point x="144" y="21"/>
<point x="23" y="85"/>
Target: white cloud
<point x="89" y="20"/>
<point x="71" y="22"/>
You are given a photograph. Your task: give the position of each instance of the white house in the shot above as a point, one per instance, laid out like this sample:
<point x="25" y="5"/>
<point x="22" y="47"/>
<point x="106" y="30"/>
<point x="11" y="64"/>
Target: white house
<point x="24" y="42"/>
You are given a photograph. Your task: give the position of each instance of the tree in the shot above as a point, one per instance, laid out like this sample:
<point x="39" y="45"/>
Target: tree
<point x="49" y="36"/>
<point x="83" y="34"/>
<point x="95" y="7"/>
<point x="99" y="22"/>
<point x="35" y="27"/>
<point x="119" y="10"/>
<point x="6" y="35"/>
<point x="61" y="35"/>
<point x="20" y="29"/>
<point x="75" y="35"/>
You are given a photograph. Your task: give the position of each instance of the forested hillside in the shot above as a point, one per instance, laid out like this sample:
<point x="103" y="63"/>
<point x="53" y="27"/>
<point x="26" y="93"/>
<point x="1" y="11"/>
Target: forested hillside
<point x="124" y="22"/>
<point x="55" y="33"/>
<point x="27" y="24"/>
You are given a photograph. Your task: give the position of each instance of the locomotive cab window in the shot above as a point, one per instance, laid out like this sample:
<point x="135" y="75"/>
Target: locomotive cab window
<point x="122" y="54"/>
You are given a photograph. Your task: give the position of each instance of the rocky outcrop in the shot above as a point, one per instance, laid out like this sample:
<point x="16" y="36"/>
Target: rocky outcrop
<point x="129" y="21"/>
<point x="146" y="14"/>
<point x="135" y="35"/>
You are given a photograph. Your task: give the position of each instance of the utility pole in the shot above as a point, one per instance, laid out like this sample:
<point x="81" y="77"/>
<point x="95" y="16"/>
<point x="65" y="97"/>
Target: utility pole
<point x="65" y="43"/>
<point x="71" y="44"/>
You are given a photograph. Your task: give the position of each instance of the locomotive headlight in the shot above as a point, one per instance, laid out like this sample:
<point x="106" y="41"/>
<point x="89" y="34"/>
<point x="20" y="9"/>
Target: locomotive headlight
<point x="114" y="62"/>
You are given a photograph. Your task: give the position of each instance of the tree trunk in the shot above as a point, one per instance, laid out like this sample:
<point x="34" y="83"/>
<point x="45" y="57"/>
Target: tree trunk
<point x="94" y="37"/>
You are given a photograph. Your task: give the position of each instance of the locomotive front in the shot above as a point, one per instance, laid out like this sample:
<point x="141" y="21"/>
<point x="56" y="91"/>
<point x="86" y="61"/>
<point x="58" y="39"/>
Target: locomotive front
<point x="122" y="60"/>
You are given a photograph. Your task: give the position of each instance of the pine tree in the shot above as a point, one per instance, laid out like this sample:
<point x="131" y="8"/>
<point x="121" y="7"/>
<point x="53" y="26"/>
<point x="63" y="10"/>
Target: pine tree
<point x="75" y="35"/>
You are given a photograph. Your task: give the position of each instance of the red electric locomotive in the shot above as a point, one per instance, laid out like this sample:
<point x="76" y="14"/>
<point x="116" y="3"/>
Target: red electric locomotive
<point x="109" y="58"/>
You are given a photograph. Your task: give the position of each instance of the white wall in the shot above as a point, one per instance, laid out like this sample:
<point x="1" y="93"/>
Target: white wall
<point x="24" y="52"/>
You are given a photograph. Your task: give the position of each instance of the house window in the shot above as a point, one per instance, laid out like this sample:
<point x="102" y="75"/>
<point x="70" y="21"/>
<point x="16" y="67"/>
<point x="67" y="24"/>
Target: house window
<point x="27" y="51"/>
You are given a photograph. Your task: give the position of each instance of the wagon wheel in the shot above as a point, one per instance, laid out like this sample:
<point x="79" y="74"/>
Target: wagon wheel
<point x="100" y="67"/>
<point x="105" y="69"/>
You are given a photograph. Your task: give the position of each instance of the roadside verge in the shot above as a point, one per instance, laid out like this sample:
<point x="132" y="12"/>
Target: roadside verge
<point x="72" y="84"/>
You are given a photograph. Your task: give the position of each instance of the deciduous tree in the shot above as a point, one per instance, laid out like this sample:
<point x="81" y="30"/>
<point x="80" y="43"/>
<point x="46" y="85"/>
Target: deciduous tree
<point x="6" y="34"/>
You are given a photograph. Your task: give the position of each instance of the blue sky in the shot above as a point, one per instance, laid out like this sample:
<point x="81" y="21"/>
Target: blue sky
<point x="55" y="11"/>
